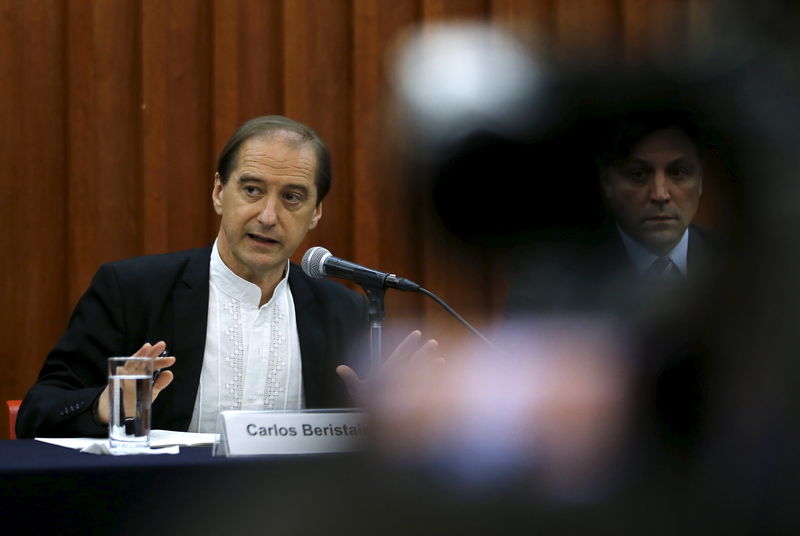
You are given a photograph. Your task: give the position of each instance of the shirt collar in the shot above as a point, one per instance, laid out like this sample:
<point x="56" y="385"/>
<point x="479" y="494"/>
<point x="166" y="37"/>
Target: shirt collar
<point x="236" y="287"/>
<point x="642" y="258"/>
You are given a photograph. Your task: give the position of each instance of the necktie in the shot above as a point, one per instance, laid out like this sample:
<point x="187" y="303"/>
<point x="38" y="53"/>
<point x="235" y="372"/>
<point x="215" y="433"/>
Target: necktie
<point x="664" y="267"/>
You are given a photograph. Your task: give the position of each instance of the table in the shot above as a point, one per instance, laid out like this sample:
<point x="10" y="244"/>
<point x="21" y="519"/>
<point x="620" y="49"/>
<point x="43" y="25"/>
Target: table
<point x="47" y="489"/>
<point x="28" y="455"/>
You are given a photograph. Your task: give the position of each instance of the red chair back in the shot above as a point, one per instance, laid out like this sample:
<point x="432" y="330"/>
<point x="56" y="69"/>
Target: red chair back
<point x="13" y="407"/>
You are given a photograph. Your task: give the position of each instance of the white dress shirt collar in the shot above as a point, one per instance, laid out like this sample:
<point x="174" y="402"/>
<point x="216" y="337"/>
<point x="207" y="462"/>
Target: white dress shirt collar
<point x="642" y="258"/>
<point x="237" y="287"/>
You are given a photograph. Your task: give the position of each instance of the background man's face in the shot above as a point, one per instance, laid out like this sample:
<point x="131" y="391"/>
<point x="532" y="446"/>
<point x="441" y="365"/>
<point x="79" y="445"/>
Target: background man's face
<point x="654" y="192"/>
<point x="268" y="205"/>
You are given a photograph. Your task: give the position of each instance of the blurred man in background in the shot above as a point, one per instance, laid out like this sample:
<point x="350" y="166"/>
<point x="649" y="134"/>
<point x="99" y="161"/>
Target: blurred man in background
<point x="650" y="167"/>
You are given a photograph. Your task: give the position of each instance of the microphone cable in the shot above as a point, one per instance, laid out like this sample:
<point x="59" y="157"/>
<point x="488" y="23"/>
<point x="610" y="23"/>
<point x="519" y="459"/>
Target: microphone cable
<point x="314" y="262"/>
<point x="457" y="316"/>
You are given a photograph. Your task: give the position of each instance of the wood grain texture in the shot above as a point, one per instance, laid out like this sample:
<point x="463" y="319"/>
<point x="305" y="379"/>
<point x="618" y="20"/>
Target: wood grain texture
<point x="112" y="115"/>
<point x="317" y="78"/>
<point x="189" y="135"/>
<point x="530" y="21"/>
<point x="654" y="31"/>
<point x="588" y="31"/>
<point x="155" y="207"/>
<point x="103" y="138"/>
<point x="385" y="236"/>
<point x="33" y="278"/>
<point x="446" y="10"/>
<point x="248" y="64"/>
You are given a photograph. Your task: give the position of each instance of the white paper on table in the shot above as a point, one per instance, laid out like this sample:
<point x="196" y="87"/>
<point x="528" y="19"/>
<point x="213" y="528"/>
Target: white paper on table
<point x="158" y="439"/>
<point x="166" y="438"/>
<point x="101" y="447"/>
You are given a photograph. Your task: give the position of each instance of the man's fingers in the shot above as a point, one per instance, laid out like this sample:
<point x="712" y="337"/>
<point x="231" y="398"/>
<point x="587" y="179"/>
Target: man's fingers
<point x="144" y="351"/>
<point x="428" y="352"/>
<point x="349" y="376"/>
<point x="405" y="348"/>
<point x="410" y="358"/>
<point x="103" y="411"/>
<point x="151" y="350"/>
<point x="156" y="349"/>
<point x="164" y="379"/>
<point x="354" y="384"/>
<point x="164" y="362"/>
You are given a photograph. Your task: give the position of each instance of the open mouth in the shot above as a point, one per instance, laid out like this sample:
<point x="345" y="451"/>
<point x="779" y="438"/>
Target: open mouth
<point x="262" y="239"/>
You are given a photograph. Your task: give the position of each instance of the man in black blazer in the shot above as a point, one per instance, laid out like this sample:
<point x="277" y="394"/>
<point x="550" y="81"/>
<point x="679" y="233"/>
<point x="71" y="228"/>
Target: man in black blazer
<point x="651" y="176"/>
<point x="270" y="181"/>
<point x="651" y="270"/>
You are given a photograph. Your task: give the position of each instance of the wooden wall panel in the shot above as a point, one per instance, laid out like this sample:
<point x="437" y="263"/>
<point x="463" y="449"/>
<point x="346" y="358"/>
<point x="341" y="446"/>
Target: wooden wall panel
<point x="33" y="280"/>
<point x="446" y="10"/>
<point x="654" y="30"/>
<point x="177" y="89"/>
<point x="248" y="64"/>
<point x="103" y="137"/>
<point x="112" y="114"/>
<point x="385" y="235"/>
<point x="153" y="64"/>
<point x="588" y="31"/>
<point x="261" y="59"/>
<point x="530" y="21"/>
<point x="317" y="67"/>
<point x="189" y="126"/>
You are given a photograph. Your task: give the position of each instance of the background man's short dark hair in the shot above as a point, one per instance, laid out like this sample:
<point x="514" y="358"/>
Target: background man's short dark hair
<point x="625" y="130"/>
<point x="276" y="125"/>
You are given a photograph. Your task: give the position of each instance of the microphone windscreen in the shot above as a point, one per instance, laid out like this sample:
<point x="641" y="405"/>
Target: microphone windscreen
<point x="314" y="262"/>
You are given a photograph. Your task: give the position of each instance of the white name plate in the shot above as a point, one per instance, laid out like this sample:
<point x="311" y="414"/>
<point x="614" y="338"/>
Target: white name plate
<point x="249" y="433"/>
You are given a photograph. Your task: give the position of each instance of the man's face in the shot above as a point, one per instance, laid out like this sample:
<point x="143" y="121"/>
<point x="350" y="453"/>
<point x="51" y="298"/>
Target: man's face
<point x="267" y="206"/>
<point x="654" y="192"/>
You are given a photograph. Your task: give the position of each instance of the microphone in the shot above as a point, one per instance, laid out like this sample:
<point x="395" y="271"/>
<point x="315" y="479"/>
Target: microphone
<point x="318" y="262"/>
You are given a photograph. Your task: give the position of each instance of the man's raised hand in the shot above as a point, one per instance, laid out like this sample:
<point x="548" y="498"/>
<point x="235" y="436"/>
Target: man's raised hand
<point x="163" y="380"/>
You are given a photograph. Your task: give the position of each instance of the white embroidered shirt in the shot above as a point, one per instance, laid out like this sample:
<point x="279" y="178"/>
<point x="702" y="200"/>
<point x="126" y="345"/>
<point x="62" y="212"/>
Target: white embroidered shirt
<point x="252" y="353"/>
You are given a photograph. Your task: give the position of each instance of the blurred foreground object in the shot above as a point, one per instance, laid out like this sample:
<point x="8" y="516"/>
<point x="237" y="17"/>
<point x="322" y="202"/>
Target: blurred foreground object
<point x="550" y="411"/>
<point x="469" y="101"/>
<point x="460" y="80"/>
<point x="521" y="183"/>
<point x="502" y="139"/>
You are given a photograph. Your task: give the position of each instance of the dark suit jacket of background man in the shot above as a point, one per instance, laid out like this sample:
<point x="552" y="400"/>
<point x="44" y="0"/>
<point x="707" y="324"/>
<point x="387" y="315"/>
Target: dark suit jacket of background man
<point x="666" y="320"/>
<point x="594" y="274"/>
<point x="165" y="297"/>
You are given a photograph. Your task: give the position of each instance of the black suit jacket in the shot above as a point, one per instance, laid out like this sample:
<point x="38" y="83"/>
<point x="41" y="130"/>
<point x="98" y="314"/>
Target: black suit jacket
<point x="596" y="275"/>
<point x="664" y="320"/>
<point x="165" y="297"/>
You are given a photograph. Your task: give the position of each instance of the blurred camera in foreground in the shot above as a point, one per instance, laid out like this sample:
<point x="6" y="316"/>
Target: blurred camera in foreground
<point x="548" y="411"/>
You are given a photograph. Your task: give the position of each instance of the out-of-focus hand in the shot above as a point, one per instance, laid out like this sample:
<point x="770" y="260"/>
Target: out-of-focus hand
<point x="164" y="379"/>
<point x="410" y="355"/>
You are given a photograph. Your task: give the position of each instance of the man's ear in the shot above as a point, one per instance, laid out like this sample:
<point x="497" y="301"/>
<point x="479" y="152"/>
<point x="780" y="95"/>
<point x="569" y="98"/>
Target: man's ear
<point x="216" y="194"/>
<point x="316" y="217"/>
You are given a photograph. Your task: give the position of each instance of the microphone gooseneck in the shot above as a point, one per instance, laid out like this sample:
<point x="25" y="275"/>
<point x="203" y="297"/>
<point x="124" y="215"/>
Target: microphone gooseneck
<point x="318" y="262"/>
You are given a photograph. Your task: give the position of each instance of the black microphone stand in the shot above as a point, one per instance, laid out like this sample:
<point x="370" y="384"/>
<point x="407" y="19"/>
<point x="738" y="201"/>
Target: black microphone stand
<point x="375" y="297"/>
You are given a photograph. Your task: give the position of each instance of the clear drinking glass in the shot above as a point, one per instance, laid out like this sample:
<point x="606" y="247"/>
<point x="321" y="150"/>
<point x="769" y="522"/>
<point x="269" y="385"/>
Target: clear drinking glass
<point x="130" y="389"/>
